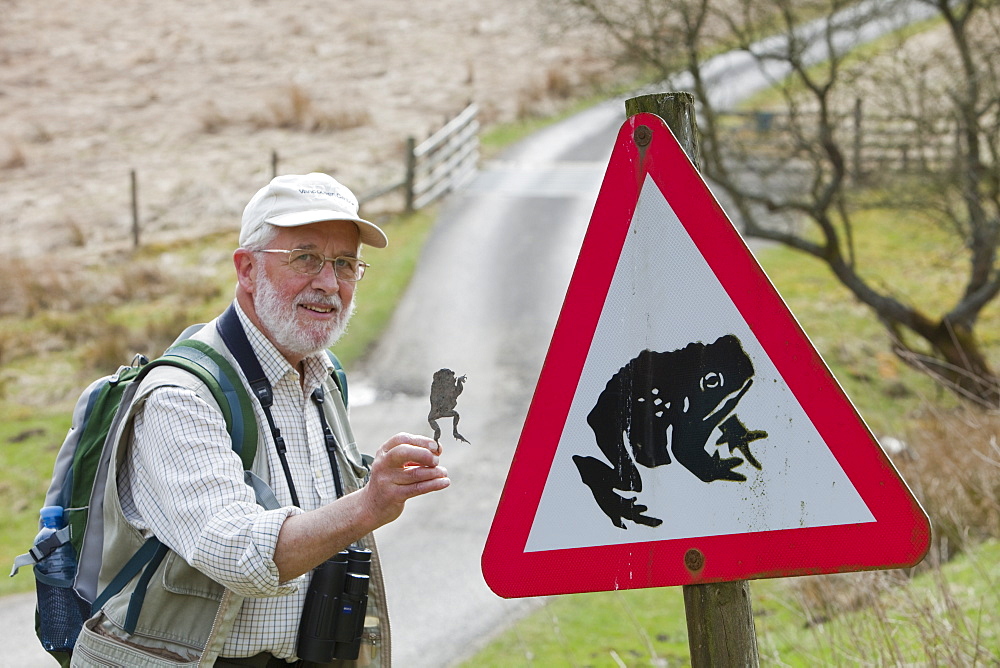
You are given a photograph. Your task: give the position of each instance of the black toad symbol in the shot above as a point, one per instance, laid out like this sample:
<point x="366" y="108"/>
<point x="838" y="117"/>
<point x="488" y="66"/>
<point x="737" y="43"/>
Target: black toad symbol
<point x="445" y="389"/>
<point x="668" y="402"/>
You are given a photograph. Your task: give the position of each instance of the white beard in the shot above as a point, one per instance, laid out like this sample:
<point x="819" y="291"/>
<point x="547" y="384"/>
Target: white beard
<point x="280" y="319"/>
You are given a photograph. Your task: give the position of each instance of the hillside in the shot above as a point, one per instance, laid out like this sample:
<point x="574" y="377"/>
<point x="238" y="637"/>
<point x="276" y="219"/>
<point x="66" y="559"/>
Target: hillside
<point x="195" y="97"/>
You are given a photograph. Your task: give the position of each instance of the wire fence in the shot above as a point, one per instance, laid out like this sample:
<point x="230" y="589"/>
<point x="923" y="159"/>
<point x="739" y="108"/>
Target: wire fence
<point x="449" y="157"/>
<point x="874" y="143"/>
<point x="430" y="169"/>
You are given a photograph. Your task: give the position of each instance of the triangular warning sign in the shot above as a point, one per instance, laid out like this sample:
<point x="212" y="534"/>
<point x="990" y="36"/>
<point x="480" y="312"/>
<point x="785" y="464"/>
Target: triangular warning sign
<point x="684" y="429"/>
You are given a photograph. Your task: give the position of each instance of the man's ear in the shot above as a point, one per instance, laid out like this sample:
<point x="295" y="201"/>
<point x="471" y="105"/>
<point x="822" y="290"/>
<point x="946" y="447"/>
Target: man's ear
<point x="246" y="269"/>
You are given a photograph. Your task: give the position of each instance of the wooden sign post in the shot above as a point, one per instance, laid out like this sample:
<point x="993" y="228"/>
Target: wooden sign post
<point x="719" y="615"/>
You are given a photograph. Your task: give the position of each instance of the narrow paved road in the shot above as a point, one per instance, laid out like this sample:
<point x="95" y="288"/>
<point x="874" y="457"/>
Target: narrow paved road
<point x="483" y="303"/>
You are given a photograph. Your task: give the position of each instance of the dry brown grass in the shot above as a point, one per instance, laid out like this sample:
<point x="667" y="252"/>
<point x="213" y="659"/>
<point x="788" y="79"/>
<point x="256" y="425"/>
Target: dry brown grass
<point x="294" y="108"/>
<point x="11" y="156"/>
<point x="542" y="94"/>
<point x="212" y="119"/>
<point x="942" y="629"/>
<point x="29" y="288"/>
<point x="107" y="313"/>
<point x="107" y="349"/>
<point x="952" y="463"/>
<point x="558" y="83"/>
<point x="289" y="108"/>
<point x="196" y="96"/>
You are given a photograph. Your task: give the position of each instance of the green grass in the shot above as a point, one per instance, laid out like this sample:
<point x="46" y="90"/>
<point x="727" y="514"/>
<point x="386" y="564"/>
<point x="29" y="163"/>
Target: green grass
<point x="28" y="445"/>
<point x="949" y="616"/>
<point x="584" y="630"/>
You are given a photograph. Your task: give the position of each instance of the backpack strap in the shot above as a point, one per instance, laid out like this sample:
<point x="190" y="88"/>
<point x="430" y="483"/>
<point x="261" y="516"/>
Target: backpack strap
<point x="339" y="375"/>
<point x="148" y="557"/>
<point x="209" y="366"/>
<point x="41" y="550"/>
<point x="222" y="380"/>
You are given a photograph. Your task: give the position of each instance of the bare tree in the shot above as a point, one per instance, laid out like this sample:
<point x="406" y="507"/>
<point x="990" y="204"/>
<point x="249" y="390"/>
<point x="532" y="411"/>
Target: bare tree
<point x="806" y="184"/>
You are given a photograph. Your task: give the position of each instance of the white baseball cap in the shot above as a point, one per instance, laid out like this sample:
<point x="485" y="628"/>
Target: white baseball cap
<point x="300" y="199"/>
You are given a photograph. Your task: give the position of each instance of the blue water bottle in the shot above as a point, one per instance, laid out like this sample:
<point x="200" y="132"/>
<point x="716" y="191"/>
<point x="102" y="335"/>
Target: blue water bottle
<point x="61" y="611"/>
<point x="61" y="563"/>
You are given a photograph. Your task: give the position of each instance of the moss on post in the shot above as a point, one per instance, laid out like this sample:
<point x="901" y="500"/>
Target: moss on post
<point x="677" y="110"/>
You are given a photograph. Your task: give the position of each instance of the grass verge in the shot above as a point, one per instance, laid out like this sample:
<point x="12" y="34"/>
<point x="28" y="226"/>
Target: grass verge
<point x="947" y="616"/>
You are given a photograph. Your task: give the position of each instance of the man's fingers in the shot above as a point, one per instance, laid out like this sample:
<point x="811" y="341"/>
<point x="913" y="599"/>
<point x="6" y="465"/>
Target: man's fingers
<point x="409" y="455"/>
<point x="403" y="438"/>
<point x="407" y="465"/>
<point x="411" y="474"/>
<point x="421" y="480"/>
<point x="427" y="486"/>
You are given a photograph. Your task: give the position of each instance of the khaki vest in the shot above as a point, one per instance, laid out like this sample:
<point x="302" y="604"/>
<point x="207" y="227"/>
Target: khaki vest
<point x="187" y="617"/>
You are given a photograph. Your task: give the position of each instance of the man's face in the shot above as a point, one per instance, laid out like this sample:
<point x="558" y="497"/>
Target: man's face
<point x="301" y="313"/>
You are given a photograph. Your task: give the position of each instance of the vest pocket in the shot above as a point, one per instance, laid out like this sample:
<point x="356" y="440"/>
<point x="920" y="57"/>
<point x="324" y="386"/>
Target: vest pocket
<point x="179" y="577"/>
<point x="99" y="649"/>
<point x="371" y="642"/>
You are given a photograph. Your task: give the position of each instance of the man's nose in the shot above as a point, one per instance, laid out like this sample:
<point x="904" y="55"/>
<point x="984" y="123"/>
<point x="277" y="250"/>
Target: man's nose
<point x="326" y="280"/>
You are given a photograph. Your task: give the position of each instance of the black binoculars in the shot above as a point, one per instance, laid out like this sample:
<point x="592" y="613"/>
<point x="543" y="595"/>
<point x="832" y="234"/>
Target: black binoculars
<point x="333" y="617"/>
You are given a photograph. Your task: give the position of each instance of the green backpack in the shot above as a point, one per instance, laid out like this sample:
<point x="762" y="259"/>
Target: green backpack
<point x="80" y="475"/>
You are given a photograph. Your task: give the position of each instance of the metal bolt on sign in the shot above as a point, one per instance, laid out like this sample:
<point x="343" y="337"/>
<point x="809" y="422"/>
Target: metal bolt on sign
<point x="642" y="135"/>
<point x="694" y="560"/>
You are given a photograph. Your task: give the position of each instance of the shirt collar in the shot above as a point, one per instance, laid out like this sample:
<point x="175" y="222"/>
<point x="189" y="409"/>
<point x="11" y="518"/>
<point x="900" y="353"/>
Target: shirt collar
<point x="317" y="366"/>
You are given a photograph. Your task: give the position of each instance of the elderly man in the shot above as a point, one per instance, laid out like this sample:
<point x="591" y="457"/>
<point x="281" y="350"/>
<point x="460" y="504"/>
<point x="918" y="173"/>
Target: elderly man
<point x="235" y="580"/>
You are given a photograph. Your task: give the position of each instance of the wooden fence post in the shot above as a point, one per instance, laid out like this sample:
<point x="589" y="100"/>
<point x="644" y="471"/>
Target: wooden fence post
<point x="856" y="171"/>
<point x="719" y="616"/>
<point x="135" y="210"/>
<point x="411" y="172"/>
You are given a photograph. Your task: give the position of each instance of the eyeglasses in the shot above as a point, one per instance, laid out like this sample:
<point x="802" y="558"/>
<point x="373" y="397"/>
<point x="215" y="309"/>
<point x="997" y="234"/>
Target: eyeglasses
<point x="310" y="262"/>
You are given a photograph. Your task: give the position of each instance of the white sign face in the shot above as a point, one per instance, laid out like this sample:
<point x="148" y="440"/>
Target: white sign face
<point x="672" y="303"/>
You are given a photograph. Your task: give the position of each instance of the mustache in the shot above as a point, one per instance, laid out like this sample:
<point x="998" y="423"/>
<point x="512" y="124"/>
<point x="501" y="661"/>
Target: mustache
<point x="319" y="299"/>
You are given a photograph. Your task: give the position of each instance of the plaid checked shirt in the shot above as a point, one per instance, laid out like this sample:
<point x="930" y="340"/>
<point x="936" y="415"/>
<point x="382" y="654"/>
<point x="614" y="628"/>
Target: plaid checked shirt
<point x="184" y="484"/>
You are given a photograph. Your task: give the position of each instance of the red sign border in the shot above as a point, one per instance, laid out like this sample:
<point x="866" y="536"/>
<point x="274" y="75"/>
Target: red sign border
<point x="899" y="536"/>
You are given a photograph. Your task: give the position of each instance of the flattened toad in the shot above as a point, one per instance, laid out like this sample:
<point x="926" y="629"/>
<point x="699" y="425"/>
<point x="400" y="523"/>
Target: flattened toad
<point x="445" y="389"/>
